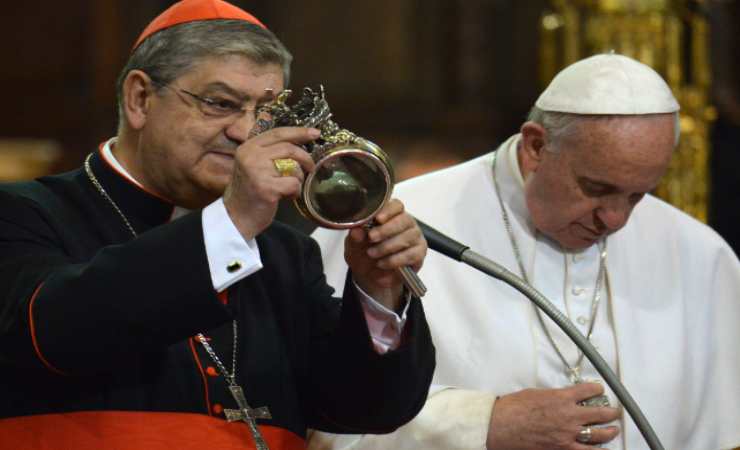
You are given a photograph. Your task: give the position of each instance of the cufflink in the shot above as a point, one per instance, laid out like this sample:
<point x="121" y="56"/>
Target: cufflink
<point x="234" y="266"/>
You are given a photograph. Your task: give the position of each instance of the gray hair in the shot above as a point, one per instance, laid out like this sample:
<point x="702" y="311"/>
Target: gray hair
<point x="559" y="125"/>
<point x="168" y="54"/>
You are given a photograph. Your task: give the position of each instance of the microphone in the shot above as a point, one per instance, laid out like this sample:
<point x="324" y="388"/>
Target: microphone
<point x="460" y="252"/>
<point x="441" y="243"/>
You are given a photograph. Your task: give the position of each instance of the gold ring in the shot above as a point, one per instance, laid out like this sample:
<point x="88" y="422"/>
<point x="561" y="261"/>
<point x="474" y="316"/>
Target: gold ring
<point x="286" y="166"/>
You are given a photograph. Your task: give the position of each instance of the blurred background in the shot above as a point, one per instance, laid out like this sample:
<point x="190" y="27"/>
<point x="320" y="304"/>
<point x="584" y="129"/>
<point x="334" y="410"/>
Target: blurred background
<point x="433" y="82"/>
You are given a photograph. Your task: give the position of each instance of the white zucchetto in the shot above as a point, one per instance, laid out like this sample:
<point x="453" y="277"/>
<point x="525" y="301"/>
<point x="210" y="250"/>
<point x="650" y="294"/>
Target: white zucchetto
<point x="608" y="84"/>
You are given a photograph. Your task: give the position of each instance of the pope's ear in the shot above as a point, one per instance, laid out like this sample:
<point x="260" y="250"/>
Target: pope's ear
<point x="136" y="94"/>
<point x="532" y="146"/>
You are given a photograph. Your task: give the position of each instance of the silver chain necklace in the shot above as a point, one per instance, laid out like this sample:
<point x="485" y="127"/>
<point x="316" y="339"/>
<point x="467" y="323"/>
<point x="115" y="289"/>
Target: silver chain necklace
<point x="230" y="377"/>
<point x="572" y="371"/>
<point x="245" y="412"/>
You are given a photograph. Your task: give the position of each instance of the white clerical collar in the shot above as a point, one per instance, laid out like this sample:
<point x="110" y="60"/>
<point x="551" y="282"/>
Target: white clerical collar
<point x="512" y="153"/>
<point x="108" y="156"/>
<point x="511" y="182"/>
<point x="107" y="153"/>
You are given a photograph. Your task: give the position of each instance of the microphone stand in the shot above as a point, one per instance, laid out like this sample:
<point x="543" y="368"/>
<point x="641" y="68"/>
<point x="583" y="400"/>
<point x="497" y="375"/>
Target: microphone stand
<point x="459" y="252"/>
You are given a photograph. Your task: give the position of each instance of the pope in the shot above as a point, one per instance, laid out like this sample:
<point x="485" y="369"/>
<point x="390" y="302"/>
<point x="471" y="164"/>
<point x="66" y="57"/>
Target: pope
<point x="566" y="204"/>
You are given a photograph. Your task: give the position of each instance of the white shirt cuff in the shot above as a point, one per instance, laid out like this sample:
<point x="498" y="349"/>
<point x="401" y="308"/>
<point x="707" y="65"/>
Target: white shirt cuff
<point x="230" y="257"/>
<point x="385" y="326"/>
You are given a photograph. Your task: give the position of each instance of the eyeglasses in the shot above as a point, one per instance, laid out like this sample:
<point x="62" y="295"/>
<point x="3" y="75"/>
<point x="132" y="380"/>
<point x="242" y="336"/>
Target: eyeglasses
<point x="215" y="106"/>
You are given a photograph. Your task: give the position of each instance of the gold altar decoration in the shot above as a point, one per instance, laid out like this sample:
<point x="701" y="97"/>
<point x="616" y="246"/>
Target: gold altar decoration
<point x="672" y="37"/>
<point x="25" y="159"/>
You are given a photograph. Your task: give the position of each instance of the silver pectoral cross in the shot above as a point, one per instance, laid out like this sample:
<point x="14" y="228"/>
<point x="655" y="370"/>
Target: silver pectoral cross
<point x="248" y="415"/>
<point x="574" y="373"/>
<point x="597" y="400"/>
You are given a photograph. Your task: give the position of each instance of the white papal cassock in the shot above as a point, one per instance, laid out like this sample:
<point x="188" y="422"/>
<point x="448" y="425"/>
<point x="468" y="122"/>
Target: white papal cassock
<point x="670" y="329"/>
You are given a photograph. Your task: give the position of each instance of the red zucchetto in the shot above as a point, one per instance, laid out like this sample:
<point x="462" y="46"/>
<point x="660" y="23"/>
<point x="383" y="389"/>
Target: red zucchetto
<point x="194" y="10"/>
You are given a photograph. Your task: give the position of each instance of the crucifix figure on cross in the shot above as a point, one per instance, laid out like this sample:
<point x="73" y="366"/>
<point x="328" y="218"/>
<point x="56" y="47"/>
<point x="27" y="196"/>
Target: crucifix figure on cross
<point x="248" y="415"/>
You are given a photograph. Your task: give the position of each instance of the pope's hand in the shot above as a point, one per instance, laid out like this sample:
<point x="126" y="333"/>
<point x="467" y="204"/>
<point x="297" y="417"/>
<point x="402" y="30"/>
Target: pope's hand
<point x="375" y="255"/>
<point x="550" y="419"/>
<point x="256" y="186"/>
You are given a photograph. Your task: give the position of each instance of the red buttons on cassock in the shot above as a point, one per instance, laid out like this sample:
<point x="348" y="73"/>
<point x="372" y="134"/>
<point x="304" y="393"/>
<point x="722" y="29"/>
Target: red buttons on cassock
<point x="217" y="408"/>
<point x="210" y="370"/>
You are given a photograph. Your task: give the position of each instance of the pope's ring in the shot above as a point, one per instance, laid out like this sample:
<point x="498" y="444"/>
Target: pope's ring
<point x="584" y="436"/>
<point x="286" y="166"/>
